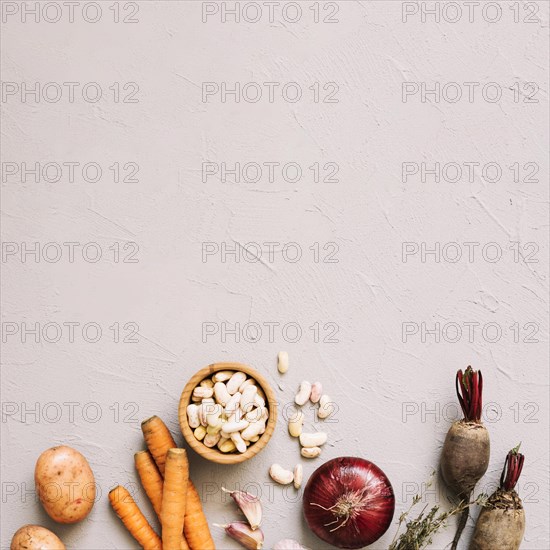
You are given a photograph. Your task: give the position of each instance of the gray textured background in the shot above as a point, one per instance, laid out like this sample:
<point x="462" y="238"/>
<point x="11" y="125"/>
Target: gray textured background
<point x="395" y="397"/>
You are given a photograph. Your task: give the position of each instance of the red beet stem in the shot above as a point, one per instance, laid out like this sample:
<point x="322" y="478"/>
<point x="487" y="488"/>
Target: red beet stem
<point x="512" y="469"/>
<point x="469" y="389"/>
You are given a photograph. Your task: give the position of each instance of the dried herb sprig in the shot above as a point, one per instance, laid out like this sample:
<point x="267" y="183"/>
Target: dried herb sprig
<point x="419" y="531"/>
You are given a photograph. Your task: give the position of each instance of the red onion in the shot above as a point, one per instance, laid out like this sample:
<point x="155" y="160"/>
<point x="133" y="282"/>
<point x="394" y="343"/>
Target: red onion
<point x="349" y="502"/>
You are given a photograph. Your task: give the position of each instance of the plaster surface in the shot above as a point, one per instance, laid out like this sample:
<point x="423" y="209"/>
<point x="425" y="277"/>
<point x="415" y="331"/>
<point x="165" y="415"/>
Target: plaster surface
<point x="357" y="310"/>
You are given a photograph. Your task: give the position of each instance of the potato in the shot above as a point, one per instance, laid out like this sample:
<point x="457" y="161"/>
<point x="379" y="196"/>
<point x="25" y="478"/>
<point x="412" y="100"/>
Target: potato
<point x="35" y="537"/>
<point x="65" y="484"/>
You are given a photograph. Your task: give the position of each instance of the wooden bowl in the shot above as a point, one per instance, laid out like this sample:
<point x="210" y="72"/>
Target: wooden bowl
<point x="214" y="454"/>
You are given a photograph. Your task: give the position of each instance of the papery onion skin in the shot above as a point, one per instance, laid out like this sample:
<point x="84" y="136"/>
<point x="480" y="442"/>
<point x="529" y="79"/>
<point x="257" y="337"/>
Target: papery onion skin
<point x="349" y="484"/>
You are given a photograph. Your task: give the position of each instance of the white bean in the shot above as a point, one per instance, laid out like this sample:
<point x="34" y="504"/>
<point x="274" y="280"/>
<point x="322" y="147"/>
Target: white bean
<point x="235" y="381"/>
<point x="247" y="382"/>
<point x="254" y="415"/>
<point x="200" y="432"/>
<point x="233" y="403"/>
<point x="253" y="429"/>
<point x="326" y="407"/>
<point x="214" y="428"/>
<point x="282" y="362"/>
<point x="211" y="440"/>
<point x="226" y="445"/>
<point x="222" y="375"/>
<point x="280" y="475"/>
<point x="213" y="414"/>
<point x="259" y="401"/>
<point x="248" y="397"/>
<point x="261" y="393"/>
<point x="207" y="383"/>
<point x="239" y="442"/>
<point x="193" y="416"/>
<point x="235" y="416"/>
<point x="230" y="427"/>
<point x="303" y="393"/>
<point x="298" y="476"/>
<point x="203" y="392"/>
<point x="313" y="439"/>
<point x="310" y="452"/>
<point x="204" y="407"/>
<point x="295" y="423"/>
<point x="316" y="391"/>
<point x="221" y="394"/>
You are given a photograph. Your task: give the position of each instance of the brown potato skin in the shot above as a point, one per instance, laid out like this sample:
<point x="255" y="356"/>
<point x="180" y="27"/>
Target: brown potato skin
<point x="35" y="537"/>
<point x="499" y="529"/>
<point x="465" y="456"/>
<point x="65" y="484"/>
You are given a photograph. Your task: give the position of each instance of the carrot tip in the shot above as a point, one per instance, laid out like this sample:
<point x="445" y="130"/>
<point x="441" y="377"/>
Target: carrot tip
<point x="148" y="419"/>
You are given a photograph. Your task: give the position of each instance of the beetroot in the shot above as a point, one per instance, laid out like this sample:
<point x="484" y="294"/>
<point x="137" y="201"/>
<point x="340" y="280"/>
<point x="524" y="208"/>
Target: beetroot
<point x="466" y="451"/>
<point x="501" y="522"/>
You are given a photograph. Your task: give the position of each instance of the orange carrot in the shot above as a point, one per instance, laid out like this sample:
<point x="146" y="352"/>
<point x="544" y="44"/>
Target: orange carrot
<point x="127" y="510"/>
<point x="174" y="495"/>
<point x="158" y="439"/>
<point x="150" y="477"/>
<point x="196" y="527"/>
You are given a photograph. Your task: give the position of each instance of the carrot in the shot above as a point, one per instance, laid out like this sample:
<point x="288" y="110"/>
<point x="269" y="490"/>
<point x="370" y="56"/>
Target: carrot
<point x="150" y="477"/>
<point x="176" y="479"/>
<point x="153" y="483"/>
<point x="196" y="528"/>
<point x="127" y="510"/>
<point x="158" y="439"/>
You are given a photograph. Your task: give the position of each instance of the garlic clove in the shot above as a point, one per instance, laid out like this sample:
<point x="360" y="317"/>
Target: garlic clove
<point x="244" y="535"/>
<point x="250" y="506"/>
<point x="289" y="544"/>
